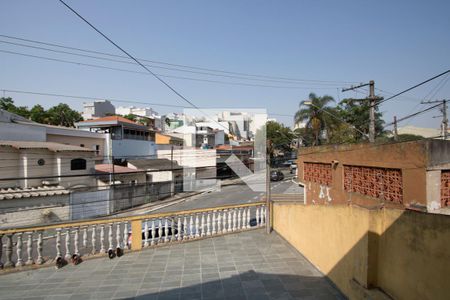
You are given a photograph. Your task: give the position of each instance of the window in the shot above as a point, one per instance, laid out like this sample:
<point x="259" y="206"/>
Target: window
<point x="78" y="164"/>
<point x="97" y="149"/>
<point x="81" y="145"/>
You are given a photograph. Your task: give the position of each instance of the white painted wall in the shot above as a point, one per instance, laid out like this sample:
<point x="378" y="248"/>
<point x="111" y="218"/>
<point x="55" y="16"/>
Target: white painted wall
<point x="128" y="147"/>
<point x="20" y="132"/>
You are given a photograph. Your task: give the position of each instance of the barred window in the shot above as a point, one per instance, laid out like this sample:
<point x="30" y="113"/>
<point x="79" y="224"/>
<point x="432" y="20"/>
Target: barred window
<point x="317" y="172"/>
<point x="78" y="164"/>
<point x="445" y="188"/>
<point x="380" y="183"/>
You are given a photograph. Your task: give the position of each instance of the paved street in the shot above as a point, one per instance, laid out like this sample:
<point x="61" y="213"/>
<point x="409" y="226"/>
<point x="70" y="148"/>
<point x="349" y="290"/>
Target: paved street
<point x="235" y="194"/>
<point x="247" y="265"/>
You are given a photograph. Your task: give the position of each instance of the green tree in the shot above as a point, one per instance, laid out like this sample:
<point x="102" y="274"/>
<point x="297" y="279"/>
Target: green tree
<point x="39" y="114"/>
<point x="314" y="115"/>
<point x="356" y="113"/>
<point x="8" y="105"/>
<point x="63" y="115"/>
<point x="279" y="137"/>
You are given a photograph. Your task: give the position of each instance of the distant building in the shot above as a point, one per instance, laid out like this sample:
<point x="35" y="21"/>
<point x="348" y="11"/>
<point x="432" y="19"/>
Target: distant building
<point x="16" y="128"/>
<point x="138" y="111"/>
<point x="167" y="140"/>
<point x="127" y="138"/>
<point x="97" y="109"/>
<point x="422" y="131"/>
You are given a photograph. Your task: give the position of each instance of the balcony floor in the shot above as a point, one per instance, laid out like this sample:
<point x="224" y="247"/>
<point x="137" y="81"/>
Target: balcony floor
<point x="246" y="265"/>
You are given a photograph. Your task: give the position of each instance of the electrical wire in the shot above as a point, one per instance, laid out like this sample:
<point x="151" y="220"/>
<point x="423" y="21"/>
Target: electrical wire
<point x="283" y="78"/>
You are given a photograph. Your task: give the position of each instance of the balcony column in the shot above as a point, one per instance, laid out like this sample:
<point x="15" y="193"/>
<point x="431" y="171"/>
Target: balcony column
<point x="230" y="225"/>
<point x="67" y="256"/>
<point x="191" y="227"/>
<point x="146" y="233"/>
<point x="125" y="235"/>
<point x="213" y="223"/>
<point x="202" y="233"/>
<point x="1" y="250"/>
<point x="234" y="220"/>
<point x="160" y="231"/>
<point x="118" y="234"/>
<point x="58" y="243"/>
<point x="102" y="239"/>
<point x="93" y="239"/>
<point x="239" y="218"/>
<point x="40" y="259"/>
<point x="166" y="230"/>
<point x="153" y="239"/>
<point x="179" y="229"/>
<point x="208" y="224"/>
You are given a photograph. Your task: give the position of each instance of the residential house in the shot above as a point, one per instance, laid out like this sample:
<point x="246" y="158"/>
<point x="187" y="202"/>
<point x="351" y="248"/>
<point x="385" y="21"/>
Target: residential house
<point x="127" y="138"/>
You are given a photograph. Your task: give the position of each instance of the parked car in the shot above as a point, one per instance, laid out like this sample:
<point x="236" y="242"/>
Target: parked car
<point x="276" y="175"/>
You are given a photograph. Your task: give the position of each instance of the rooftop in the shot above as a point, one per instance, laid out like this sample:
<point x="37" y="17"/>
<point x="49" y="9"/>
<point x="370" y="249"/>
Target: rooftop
<point x="246" y="265"/>
<point x="54" y="147"/>
<point x="16" y="193"/>
<point x="154" y="164"/>
<point x="109" y="120"/>
<point x="109" y="168"/>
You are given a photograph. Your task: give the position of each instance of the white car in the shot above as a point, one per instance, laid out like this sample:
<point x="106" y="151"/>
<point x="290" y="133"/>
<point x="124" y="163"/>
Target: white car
<point x="293" y="168"/>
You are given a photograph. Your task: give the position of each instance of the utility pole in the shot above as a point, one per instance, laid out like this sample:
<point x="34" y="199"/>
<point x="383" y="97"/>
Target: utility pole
<point x="444" y="124"/>
<point x="373" y="99"/>
<point x="395" y="129"/>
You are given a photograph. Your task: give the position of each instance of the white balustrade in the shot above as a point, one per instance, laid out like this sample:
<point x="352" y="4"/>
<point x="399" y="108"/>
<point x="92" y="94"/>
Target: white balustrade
<point x="125" y="235"/>
<point x="208" y="224"/>
<point x="234" y="220"/>
<point x="102" y="239"/>
<point x="179" y="237"/>
<point x="58" y="242"/>
<point x="197" y="226"/>
<point x="85" y="237"/>
<point x="224" y="221"/>
<point x="1" y="251"/>
<point x="40" y="259"/>
<point x="191" y="227"/>
<point x="248" y="218"/>
<point x="146" y="242"/>
<point x="166" y="230"/>
<point x="68" y="255"/>
<point x="110" y="236"/>
<point x="160" y="231"/>
<point x="258" y="221"/>
<point x="94" y="239"/>
<point x="202" y="231"/>
<point x="75" y="242"/>
<point x="219" y="222"/>
<point x="9" y="251"/>
<point x="230" y="225"/>
<point x="213" y="232"/>
<point x="19" y="244"/>
<point x="29" y="249"/>
<point x="239" y="218"/>
<point x="118" y="235"/>
<point x="153" y="239"/>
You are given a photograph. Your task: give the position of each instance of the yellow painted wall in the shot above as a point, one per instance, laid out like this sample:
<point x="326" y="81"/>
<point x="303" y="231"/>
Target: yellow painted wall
<point x="404" y="253"/>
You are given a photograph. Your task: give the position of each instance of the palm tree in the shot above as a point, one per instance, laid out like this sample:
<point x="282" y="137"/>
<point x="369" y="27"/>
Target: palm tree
<point x="312" y="112"/>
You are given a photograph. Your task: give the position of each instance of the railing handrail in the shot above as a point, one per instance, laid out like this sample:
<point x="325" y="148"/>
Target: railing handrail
<point x="107" y="220"/>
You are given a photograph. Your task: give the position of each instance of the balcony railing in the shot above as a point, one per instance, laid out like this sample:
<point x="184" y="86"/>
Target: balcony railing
<point x="61" y="243"/>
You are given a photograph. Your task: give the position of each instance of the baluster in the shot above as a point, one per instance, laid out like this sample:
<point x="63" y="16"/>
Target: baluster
<point x="179" y="229"/>
<point x="248" y="217"/>
<point x="146" y="233"/>
<point x="19" y="245"/>
<point x="85" y="237"/>
<point x="102" y="239"/>
<point x="239" y="218"/>
<point x="58" y="243"/>
<point x="160" y="231"/>
<point x="118" y="245"/>
<point x="110" y="236"/>
<point x="75" y="242"/>
<point x="166" y="230"/>
<point x="153" y="240"/>
<point x="229" y="228"/>
<point x="1" y="250"/>
<point x="29" y="249"/>
<point x="213" y="232"/>
<point x="39" y="260"/>
<point x="257" y="217"/>
<point x="172" y="230"/>
<point x="208" y="223"/>
<point x="94" y="239"/>
<point x="67" y="256"/>
<point x="264" y="215"/>
<point x="185" y="228"/>
<point x="202" y="232"/>
<point x="234" y="220"/>
<point x="197" y="226"/>
<point x="219" y="222"/>
<point x="125" y="235"/>
<point x="9" y="251"/>
<point x="224" y="221"/>
<point x="191" y="227"/>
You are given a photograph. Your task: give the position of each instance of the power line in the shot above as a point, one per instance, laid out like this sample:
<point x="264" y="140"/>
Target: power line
<point x="413" y="115"/>
<point x="177" y="65"/>
<point x="116" y="100"/>
<point x="167" y="68"/>
<point x="160" y="75"/>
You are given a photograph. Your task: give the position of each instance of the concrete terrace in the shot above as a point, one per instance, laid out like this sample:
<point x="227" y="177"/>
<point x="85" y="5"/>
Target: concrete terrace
<point x="246" y="265"/>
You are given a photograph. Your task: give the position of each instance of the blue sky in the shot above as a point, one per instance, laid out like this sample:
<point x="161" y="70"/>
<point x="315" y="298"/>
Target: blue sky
<point x="395" y="43"/>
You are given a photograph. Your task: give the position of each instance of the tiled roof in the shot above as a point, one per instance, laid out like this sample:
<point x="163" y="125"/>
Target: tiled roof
<point x="109" y="119"/>
<point x="17" y="193"/>
<point x="154" y="164"/>
<point x="108" y="168"/>
<point x="55" y="147"/>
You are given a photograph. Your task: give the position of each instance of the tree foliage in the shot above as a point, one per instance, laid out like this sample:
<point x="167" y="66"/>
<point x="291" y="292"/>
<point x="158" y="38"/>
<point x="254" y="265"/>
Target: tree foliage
<point x="348" y="122"/>
<point x="60" y="115"/>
